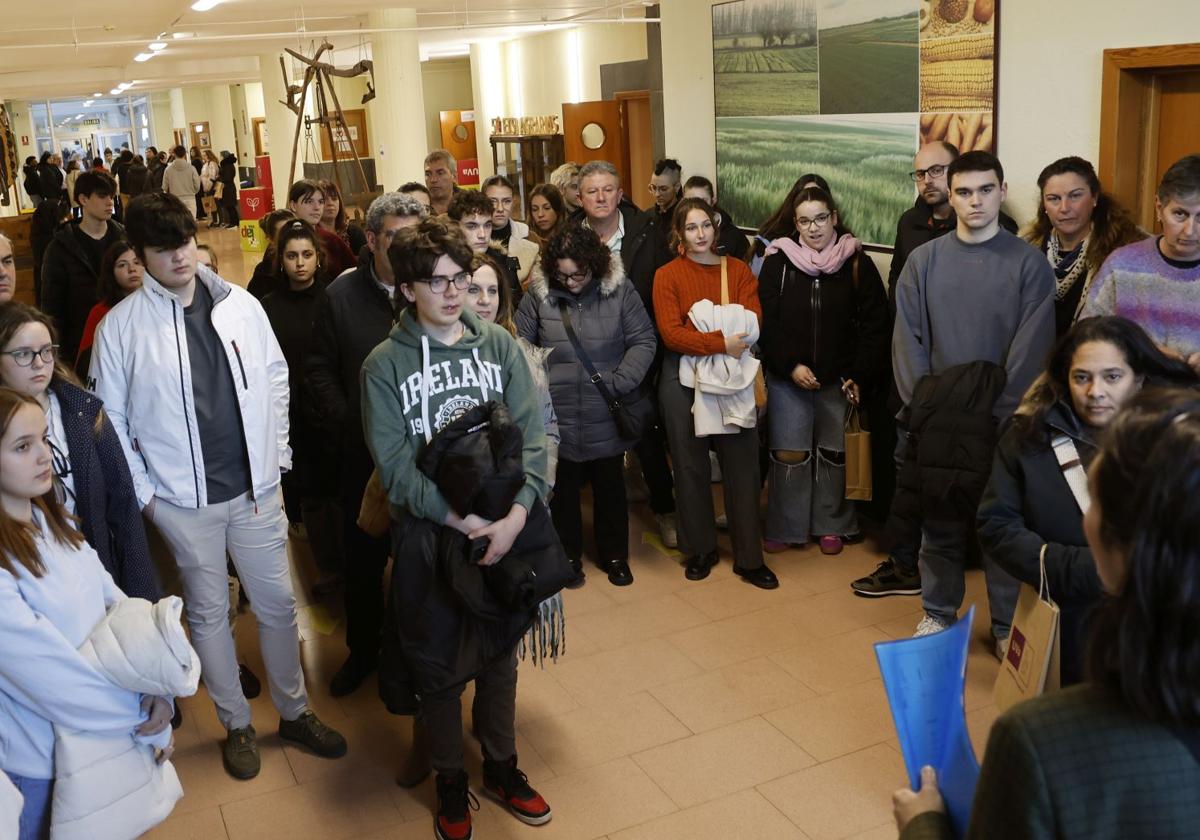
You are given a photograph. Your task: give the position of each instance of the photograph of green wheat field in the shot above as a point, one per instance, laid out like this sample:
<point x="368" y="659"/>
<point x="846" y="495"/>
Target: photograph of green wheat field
<point x="869" y="56"/>
<point x="865" y="159"/>
<point x="765" y="57"/>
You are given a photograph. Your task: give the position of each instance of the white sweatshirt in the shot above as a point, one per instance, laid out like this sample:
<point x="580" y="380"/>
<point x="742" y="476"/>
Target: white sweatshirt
<point x="43" y="678"/>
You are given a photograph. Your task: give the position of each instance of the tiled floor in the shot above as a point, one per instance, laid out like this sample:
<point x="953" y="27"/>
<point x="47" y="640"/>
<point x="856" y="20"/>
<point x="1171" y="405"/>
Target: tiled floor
<point x="705" y="711"/>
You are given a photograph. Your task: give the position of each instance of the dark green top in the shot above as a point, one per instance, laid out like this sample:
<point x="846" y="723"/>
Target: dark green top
<point x="1078" y="764"/>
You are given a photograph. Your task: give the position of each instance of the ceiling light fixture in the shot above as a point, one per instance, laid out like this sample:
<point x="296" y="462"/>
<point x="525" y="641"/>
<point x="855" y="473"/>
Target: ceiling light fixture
<point x="157" y="46"/>
<point x="79" y="116"/>
<point x="97" y="93"/>
<point x="115" y="92"/>
<point x="146" y="56"/>
<point x="179" y="36"/>
<point x="124" y="85"/>
<point x="205" y="5"/>
<point x="88" y="102"/>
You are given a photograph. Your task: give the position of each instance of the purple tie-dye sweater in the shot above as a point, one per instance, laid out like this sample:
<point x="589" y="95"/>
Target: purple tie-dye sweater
<point x="1136" y="282"/>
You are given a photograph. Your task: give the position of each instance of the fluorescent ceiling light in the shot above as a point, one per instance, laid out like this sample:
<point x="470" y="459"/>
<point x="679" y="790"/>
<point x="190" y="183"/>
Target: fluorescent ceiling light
<point x="79" y="116"/>
<point x="143" y="56"/>
<point x="89" y="102"/>
<point x="179" y="36"/>
<point x="157" y="45"/>
<point x="115" y="91"/>
<point x="97" y="93"/>
<point x="205" y="5"/>
<point x="124" y="85"/>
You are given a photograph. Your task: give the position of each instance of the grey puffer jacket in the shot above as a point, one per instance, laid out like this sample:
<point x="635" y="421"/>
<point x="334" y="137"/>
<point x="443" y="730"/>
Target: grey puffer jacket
<point x="618" y="336"/>
<point x="539" y="360"/>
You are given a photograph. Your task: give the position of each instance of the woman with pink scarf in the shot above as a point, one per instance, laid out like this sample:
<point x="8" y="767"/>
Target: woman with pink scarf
<point x="824" y="335"/>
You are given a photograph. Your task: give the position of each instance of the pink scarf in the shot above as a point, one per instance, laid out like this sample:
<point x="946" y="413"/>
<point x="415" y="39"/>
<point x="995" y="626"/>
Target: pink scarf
<point x="811" y="262"/>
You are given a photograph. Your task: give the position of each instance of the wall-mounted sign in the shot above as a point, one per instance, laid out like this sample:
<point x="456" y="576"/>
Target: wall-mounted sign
<point x="525" y="125"/>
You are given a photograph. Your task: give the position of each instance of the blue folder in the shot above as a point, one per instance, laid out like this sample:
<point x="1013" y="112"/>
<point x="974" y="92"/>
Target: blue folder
<point x="925" y="679"/>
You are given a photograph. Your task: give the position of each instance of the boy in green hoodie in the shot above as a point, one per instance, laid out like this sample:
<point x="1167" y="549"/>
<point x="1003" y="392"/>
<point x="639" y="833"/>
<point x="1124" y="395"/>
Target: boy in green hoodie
<point x="439" y="361"/>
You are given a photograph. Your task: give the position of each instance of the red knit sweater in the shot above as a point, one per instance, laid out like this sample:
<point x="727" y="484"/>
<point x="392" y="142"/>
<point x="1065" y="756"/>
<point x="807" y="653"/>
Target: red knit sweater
<point x="682" y="282"/>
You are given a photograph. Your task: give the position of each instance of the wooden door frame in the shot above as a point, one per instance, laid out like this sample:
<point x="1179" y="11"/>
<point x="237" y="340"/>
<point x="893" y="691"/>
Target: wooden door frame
<point x="1129" y="97"/>
<point x="624" y="96"/>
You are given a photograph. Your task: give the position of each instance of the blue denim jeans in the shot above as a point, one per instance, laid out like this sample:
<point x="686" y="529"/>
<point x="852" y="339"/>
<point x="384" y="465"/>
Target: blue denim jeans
<point x="943" y="561"/>
<point x="35" y="815"/>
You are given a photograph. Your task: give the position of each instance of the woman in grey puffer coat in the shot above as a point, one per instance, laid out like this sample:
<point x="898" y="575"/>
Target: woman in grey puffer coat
<point x="577" y="269"/>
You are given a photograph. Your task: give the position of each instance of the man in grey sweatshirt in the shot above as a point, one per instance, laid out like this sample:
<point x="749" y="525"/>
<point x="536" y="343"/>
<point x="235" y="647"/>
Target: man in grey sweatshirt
<point x="978" y="293"/>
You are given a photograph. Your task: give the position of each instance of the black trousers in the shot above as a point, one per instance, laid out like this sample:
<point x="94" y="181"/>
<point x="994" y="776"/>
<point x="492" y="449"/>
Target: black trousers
<point x="610" y="514"/>
<point x="652" y="453"/>
<point x="366" y="556"/>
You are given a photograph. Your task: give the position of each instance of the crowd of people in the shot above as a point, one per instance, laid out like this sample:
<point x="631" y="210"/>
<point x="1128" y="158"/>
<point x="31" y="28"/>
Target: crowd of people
<point x="186" y="426"/>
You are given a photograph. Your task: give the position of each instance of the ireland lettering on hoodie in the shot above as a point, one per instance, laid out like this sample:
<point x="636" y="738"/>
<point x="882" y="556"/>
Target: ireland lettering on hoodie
<point x="413" y="386"/>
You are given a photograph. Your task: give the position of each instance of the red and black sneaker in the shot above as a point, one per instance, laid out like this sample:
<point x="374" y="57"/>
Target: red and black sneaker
<point x="508" y="785"/>
<point x="455" y="802"/>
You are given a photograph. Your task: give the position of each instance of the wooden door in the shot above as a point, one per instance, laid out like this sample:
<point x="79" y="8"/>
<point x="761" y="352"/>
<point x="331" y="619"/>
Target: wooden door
<point x="639" y="139"/>
<point x="199" y="136"/>
<point x="596" y="131"/>
<point x="1149" y="118"/>
<point x="458" y="133"/>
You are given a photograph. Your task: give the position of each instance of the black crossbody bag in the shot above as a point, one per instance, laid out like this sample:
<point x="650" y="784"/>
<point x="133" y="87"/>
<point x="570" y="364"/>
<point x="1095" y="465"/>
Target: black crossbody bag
<point x="634" y="412"/>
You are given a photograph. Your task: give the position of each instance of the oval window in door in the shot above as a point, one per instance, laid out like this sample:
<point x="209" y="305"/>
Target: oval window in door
<point x="593" y="135"/>
<point x="460" y="133"/>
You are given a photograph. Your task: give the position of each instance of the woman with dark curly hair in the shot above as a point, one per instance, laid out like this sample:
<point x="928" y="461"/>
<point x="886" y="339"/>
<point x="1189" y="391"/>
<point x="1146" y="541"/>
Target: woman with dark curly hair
<point x="1029" y="510"/>
<point x="579" y="287"/>
<point x="1077" y="226"/>
<point x="1118" y="756"/>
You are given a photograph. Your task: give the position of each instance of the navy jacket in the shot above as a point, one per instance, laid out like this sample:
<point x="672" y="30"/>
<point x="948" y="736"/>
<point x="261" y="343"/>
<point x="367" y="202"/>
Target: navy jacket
<point x="109" y="513"/>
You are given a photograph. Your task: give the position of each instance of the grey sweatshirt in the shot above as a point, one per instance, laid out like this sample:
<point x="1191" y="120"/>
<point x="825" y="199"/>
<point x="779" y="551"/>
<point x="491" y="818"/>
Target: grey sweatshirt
<point x="959" y="302"/>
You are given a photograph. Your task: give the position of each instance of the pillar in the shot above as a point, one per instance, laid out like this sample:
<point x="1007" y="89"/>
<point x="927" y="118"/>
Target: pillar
<point x="398" y="109"/>
<point x="178" y="119"/>
<point x="487" y="91"/>
<point x="220" y="119"/>
<point x="281" y="124"/>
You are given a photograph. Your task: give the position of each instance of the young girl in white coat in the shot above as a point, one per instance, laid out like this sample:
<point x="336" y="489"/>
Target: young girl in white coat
<point x="53" y="591"/>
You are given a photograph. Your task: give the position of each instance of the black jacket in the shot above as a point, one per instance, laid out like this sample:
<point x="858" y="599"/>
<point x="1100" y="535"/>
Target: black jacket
<point x="154" y="176"/>
<point x="133" y="179"/>
<point x="951" y="440"/>
<point x="1028" y="504"/>
<point x="917" y="226"/>
<point x="834" y="324"/>
<point x="32" y="182"/>
<point x="109" y="513"/>
<point x="731" y="242"/>
<point x="436" y="635"/>
<point x="69" y="282"/>
<point x="50" y="180"/>
<point x="355" y="315"/>
<point x="227" y="175"/>
<point x="643" y="252"/>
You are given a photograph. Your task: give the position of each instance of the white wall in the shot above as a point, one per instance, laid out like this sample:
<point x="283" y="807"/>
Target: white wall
<point x="1049" y="89"/>
<point x="446" y="84"/>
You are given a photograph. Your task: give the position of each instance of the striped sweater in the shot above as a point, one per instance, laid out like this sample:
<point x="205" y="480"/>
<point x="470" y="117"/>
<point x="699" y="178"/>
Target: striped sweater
<point x="1163" y="298"/>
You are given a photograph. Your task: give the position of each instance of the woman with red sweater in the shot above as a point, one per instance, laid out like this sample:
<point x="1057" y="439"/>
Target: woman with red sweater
<point x="120" y="273"/>
<point x="692" y="277"/>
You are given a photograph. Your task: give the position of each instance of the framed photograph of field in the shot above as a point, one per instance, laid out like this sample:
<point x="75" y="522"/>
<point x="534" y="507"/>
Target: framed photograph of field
<point x="765" y="57"/>
<point x="847" y="89"/>
<point x="867" y="56"/>
<point x="865" y="158"/>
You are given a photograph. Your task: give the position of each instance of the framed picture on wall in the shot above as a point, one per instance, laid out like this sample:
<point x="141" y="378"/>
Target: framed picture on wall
<point x="847" y="91"/>
<point x="351" y="142"/>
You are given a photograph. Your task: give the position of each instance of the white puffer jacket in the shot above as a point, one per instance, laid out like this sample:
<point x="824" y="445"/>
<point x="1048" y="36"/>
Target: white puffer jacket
<point x="108" y="787"/>
<point x="723" y="403"/>
<point x="141" y="370"/>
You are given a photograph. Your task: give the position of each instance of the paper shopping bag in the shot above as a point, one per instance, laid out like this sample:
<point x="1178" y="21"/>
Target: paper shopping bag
<point x="858" y="458"/>
<point x="1031" y="665"/>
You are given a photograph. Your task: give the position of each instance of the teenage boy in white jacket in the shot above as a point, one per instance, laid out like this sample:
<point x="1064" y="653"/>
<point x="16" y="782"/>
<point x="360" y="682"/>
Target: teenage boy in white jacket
<point x="195" y="383"/>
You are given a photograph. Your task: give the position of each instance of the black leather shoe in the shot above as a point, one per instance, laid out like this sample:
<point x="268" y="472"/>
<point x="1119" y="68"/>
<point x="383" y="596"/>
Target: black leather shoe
<point x="699" y="567"/>
<point x="350" y="676"/>
<point x="618" y="572"/>
<point x="251" y="687"/>
<point x="580" y="578"/>
<point x="762" y="577"/>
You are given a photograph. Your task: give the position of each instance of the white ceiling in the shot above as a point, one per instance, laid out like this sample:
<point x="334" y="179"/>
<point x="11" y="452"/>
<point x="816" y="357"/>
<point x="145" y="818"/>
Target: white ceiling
<point x="75" y="48"/>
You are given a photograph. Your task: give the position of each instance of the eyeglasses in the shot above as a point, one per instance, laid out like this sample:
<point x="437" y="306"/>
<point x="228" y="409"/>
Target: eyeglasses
<point x="816" y="221"/>
<point x="578" y="277"/>
<point x="23" y="356"/>
<point x="932" y="172"/>
<point x="438" y="284"/>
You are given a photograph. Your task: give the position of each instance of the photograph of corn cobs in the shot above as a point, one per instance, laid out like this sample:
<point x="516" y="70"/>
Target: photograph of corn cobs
<point x="958" y="63"/>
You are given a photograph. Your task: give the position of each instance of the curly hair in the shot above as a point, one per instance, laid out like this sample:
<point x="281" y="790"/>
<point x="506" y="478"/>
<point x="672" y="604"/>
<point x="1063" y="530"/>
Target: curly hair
<point x="416" y="249"/>
<point x="1142" y="355"/>
<point x="582" y="246"/>
<point x="1145" y="644"/>
<point x="469" y="203"/>
<point x="1112" y="226"/>
<point x="676" y="240"/>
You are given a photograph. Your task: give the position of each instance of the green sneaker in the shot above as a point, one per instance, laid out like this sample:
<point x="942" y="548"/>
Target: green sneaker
<point x="308" y="731"/>
<point x="240" y="753"/>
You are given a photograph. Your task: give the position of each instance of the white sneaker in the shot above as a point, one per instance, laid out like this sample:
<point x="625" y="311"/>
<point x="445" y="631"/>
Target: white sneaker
<point x="930" y="625"/>
<point x="714" y="466"/>
<point x="1002" y="648"/>
<point x="668" y="530"/>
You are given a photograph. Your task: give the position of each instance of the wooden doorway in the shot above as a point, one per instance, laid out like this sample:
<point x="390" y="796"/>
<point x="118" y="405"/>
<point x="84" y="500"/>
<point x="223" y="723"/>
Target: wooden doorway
<point x="596" y="131"/>
<point x="639" y="140"/>
<point x="1149" y="118"/>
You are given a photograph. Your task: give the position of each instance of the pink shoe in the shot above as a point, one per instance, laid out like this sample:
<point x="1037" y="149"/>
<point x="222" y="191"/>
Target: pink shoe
<point x="831" y="545"/>
<point x="774" y="546"/>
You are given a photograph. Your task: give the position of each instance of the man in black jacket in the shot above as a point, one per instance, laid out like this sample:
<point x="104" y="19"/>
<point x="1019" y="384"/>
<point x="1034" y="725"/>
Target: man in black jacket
<point x="635" y="237"/>
<point x="354" y="317"/>
<point x="71" y="265"/>
<point x="931" y="217"/>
